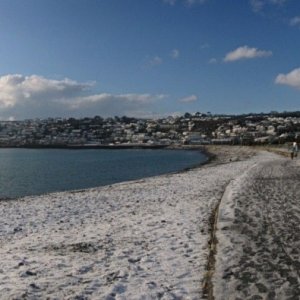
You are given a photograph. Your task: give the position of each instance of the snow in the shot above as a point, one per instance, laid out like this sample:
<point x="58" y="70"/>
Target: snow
<point x="145" y="239"/>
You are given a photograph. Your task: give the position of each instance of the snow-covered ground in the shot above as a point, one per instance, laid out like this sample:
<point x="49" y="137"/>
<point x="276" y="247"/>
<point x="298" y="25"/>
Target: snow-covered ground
<point x="147" y="239"/>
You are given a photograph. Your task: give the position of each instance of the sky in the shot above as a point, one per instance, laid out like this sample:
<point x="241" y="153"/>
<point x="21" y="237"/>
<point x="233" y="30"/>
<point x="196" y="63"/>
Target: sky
<point x="148" y="58"/>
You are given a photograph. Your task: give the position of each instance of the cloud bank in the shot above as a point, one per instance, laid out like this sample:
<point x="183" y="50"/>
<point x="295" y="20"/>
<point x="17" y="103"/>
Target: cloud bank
<point x="36" y="96"/>
<point x="245" y="52"/>
<point x="17" y="89"/>
<point x="291" y="79"/>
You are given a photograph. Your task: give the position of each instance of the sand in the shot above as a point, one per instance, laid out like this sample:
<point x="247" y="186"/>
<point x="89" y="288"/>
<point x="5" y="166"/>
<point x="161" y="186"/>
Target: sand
<point x="258" y="234"/>
<point x="149" y="239"/>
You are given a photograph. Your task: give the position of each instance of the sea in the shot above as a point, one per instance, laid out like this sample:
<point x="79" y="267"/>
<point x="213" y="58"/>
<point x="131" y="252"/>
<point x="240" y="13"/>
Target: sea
<point x="25" y="172"/>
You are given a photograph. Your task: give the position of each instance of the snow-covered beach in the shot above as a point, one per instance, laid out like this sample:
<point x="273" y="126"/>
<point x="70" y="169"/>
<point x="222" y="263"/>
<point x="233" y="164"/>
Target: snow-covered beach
<point x="154" y="238"/>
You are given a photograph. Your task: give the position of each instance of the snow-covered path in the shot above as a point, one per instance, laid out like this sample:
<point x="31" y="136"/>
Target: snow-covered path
<point x="258" y="233"/>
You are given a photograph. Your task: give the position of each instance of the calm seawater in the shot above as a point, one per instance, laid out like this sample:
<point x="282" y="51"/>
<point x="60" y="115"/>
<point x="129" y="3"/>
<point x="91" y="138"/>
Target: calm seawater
<point x="38" y="171"/>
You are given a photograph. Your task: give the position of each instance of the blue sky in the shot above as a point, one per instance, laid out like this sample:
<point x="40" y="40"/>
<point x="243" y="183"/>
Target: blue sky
<point x="148" y="58"/>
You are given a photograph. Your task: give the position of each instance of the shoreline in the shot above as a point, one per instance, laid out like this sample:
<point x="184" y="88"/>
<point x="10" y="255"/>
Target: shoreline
<point x="214" y="155"/>
<point x="207" y="158"/>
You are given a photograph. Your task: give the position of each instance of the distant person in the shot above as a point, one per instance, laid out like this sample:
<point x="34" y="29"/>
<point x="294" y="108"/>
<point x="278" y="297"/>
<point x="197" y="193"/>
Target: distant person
<point x="294" y="150"/>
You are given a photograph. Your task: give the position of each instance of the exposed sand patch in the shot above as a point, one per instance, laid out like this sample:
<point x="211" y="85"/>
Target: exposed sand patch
<point x="258" y="233"/>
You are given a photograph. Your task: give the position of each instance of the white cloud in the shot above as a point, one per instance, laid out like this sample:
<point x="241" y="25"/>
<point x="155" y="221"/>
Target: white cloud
<point x="187" y="2"/>
<point x="245" y="53"/>
<point x="259" y="5"/>
<point x="292" y="78"/>
<point x="278" y="2"/>
<point x="171" y="2"/>
<point x="192" y="2"/>
<point x="188" y="99"/>
<point x="212" y="61"/>
<point x="204" y="46"/>
<point x="155" y="61"/>
<point x="16" y="89"/>
<point x="295" y="21"/>
<point x="175" y="53"/>
<point x="36" y="96"/>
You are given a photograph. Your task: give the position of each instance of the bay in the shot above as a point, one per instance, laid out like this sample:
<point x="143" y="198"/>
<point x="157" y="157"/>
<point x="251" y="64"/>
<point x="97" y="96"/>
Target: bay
<point x="37" y="171"/>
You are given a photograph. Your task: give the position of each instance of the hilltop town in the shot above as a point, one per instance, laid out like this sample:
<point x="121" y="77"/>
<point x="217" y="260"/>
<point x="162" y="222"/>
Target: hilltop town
<point x="194" y="129"/>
